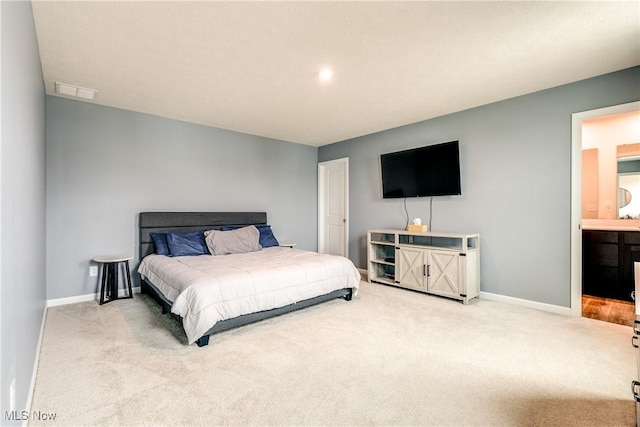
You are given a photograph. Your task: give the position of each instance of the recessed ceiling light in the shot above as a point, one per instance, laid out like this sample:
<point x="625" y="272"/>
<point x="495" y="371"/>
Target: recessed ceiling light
<point x="75" y="91"/>
<point x="325" y="74"/>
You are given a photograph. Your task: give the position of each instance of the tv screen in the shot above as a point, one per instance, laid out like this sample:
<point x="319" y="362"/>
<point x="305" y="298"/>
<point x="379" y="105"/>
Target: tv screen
<point x="433" y="170"/>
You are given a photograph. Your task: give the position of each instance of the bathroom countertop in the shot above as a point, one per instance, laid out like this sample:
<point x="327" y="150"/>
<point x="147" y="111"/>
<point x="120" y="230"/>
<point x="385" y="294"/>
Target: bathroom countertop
<point x="611" y="227"/>
<point x="611" y="224"/>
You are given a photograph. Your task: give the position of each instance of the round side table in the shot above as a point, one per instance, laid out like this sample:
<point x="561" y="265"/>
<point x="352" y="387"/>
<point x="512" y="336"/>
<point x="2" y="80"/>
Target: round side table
<point x="110" y="267"/>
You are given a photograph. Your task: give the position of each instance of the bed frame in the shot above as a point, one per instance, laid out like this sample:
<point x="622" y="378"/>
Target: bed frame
<point x="155" y="222"/>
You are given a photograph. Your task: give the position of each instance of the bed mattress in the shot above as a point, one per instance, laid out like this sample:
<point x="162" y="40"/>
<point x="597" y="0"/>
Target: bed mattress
<point x="206" y="289"/>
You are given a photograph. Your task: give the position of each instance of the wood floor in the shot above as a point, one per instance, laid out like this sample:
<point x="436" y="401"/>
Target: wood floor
<point x="609" y="310"/>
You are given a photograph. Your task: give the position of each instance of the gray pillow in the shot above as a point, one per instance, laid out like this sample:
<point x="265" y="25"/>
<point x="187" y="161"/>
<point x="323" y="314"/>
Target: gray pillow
<point x="245" y="239"/>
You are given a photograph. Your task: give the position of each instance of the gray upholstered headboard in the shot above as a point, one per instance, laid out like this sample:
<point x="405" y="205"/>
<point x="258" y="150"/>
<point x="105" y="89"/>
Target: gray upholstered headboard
<point x="155" y="222"/>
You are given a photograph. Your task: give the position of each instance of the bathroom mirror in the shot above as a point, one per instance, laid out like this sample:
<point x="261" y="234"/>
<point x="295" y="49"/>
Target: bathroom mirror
<point x="628" y="187"/>
<point x="624" y="197"/>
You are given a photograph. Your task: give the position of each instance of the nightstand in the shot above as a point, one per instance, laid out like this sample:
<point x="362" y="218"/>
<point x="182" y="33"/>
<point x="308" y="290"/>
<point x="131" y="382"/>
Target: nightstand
<point x="110" y="267"/>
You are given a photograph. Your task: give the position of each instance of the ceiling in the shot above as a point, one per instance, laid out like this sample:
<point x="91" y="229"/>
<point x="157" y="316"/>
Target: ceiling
<point x="253" y="67"/>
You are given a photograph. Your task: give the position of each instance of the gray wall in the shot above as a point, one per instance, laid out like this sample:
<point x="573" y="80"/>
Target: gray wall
<point x="516" y="183"/>
<point x="105" y="165"/>
<point x="22" y="223"/>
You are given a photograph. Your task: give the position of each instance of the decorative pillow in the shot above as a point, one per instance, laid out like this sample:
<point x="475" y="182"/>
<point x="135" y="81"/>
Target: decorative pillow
<point x="245" y="239"/>
<point x="267" y="239"/>
<point x="187" y="243"/>
<point x="160" y="243"/>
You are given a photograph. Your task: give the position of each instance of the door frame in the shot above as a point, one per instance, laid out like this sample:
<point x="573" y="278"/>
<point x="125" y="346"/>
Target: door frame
<point x="322" y="166"/>
<point x="576" y="195"/>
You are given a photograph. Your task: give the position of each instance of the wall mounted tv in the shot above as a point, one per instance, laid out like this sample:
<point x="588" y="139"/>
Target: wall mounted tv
<point x="433" y="170"/>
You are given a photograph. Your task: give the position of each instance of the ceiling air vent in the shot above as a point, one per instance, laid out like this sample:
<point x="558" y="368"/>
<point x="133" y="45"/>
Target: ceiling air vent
<point x="75" y="91"/>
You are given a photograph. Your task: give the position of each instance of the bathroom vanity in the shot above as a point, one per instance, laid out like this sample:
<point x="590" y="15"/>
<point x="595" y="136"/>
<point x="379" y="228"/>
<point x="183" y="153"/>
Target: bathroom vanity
<point x="608" y="254"/>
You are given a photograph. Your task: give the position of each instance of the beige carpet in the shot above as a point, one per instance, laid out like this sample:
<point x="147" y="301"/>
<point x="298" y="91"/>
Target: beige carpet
<point x="389" y="357"/>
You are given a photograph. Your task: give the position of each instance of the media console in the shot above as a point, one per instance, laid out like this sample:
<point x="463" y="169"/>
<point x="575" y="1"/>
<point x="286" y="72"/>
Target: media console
<point x="445" y="264"/>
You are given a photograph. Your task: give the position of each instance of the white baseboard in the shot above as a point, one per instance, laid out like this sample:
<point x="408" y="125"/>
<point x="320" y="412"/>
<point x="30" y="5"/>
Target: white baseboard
<point x="84" y="298"/>
<point x="36" y="363"/>
<point x="526" y="303"/>
<point x="484" y="295"/>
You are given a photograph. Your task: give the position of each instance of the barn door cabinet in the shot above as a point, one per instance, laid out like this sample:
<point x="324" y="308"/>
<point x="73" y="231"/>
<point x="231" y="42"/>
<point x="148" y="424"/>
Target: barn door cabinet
<point x="445" y="264"/>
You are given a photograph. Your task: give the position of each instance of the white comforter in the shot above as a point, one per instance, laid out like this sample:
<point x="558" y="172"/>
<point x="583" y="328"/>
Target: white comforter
<point x="206" y="289"/>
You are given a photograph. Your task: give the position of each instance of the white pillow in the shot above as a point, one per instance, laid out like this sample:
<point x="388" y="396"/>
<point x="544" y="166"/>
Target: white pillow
<point x="245" y="239"/>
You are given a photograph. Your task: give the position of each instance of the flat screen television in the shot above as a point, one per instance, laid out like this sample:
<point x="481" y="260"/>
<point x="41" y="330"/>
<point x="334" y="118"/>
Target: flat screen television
<point x="433" y="170"/>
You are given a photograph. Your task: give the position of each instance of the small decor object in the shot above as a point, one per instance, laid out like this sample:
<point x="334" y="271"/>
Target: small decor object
<point x="417" y="226"/>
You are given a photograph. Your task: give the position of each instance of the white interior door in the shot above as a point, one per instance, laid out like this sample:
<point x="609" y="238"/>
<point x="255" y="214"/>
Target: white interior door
<point x="333" y="207"/>
<point x="636" y="295"/>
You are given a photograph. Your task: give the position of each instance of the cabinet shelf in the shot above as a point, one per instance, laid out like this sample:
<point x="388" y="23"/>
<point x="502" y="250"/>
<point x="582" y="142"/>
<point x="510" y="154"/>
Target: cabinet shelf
<point x="385" y="280"/>
<point x="381" y="242"/>
<point x="446" y="264"/>
<point x="382" y="261"/>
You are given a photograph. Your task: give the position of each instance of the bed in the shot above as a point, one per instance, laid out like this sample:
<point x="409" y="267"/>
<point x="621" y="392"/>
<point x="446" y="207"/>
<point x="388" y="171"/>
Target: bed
<point x="213" y="293"/>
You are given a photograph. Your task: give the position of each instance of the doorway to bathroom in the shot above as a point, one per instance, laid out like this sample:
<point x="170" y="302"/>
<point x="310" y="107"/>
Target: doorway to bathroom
<point x="604" y="235"/>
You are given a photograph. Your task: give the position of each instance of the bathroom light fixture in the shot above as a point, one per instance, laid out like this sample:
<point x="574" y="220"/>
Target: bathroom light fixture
<point x="325" y="74"/>
<point x="75" y="91"/>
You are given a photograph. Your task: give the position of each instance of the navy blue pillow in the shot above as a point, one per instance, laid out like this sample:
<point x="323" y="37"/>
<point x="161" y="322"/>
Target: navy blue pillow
<point x="267" y="239"/>
<point x="187" y="243"/>
<point x="160" y="242"/>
